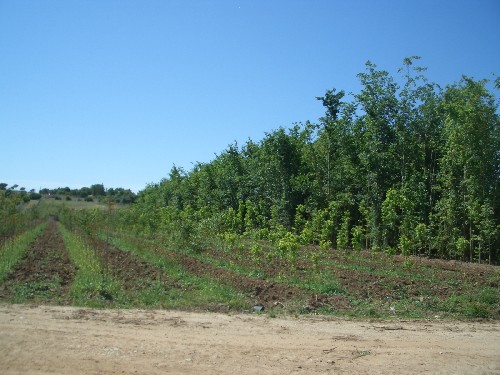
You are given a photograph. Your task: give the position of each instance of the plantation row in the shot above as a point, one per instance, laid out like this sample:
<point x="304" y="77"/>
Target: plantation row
<point x="77" y="263"/>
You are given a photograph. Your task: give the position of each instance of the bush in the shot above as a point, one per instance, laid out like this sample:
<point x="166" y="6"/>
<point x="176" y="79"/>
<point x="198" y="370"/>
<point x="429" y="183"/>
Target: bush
<point x="357" y="238"/>
<point x="288" y="247"/>
<point x="35" y="196"/>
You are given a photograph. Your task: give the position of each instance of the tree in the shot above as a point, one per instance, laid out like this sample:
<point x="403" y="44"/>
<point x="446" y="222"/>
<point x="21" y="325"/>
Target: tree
<point x="97" y="190"/>
<point x="469" y="164"/>
<point x="376" y="129"/>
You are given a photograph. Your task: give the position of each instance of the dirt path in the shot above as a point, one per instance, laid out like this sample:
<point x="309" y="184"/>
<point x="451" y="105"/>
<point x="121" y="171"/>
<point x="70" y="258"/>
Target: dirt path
<point x="68" y="340"/>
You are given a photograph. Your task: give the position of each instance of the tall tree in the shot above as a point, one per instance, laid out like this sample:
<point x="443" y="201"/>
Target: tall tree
<point x="469" y="164"/>
<point x="376" y="126"/>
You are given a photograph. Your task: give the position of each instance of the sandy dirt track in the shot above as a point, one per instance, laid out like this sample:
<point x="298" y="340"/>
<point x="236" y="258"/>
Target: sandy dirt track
<point x="69" y="340"/>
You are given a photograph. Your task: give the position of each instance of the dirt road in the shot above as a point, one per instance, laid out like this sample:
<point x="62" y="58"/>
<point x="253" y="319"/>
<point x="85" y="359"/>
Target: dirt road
<point x="68" y="340"/>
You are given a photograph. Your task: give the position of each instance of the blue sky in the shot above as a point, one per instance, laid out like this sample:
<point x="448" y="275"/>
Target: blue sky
<point x="117" y="92"/>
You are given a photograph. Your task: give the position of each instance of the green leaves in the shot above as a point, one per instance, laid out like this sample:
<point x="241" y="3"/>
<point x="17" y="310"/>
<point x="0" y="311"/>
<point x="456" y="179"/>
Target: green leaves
<point x="402" y="165"/>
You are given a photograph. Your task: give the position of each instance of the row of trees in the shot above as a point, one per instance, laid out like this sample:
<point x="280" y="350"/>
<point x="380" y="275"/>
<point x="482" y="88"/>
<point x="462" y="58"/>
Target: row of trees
<point x="404" y="167"/>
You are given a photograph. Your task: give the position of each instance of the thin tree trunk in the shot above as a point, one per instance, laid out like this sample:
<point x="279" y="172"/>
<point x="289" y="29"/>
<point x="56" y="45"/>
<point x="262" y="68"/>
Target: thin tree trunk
<point x="470" y="242"/>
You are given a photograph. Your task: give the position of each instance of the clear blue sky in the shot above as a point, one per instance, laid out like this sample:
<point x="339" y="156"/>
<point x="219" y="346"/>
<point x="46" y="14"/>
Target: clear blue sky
<point x="117" y="91"/>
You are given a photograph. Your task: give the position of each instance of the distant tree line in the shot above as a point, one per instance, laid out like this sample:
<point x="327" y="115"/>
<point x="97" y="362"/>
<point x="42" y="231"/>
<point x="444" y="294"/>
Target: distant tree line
<point x="409" y="168"/>
<point x="24" y="195"/>
<point x="96" y="191"/>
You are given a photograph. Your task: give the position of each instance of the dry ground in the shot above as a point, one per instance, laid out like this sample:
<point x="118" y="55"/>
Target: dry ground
<point x="69" y="340"/>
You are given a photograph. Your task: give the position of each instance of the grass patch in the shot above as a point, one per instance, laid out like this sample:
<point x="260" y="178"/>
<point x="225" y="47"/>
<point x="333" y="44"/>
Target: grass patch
<point x="37" y="291"/>
<point x="471" y="306"/>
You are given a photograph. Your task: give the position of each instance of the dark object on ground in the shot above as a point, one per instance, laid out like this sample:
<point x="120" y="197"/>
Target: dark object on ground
<point x="258" y="308"/>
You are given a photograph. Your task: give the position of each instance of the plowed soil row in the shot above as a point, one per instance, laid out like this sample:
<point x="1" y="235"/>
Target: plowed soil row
<point x="267" y="293"/>
<point x="357" y="283"/>
<point x="270" y="294"/>
<point x="133" y="272"/>
<point x="45" y="273"/>
<point x="365" y="283"/>
<point x="127" y="267"/>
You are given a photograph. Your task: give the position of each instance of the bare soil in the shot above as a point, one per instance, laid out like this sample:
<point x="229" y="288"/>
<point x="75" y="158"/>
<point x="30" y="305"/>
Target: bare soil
<point x="70" y="340"/>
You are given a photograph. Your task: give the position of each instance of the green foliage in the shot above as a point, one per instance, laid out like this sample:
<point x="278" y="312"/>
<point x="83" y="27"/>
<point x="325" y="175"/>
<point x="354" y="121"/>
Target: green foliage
<point x="405" y="245"/>
<point x="403" y="167"/>
<point x="307" y="236"/>
<point x="96" y="191"/>
<point x="421" y="237"/>
<point x="343" y="235"/>
<point x="35" y="196"/>
<point x="287" y="248"/>
<point x="325" y="245"/>
<point x="357" y="237"/>
<point x="256" y="252"/>
<point x="16" y="214"/>
<point x="469" y="306"/>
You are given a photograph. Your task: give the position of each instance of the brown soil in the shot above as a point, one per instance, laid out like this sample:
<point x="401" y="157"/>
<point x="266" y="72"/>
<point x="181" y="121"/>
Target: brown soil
<point x="263" y="291"/>
<point x="133" y="273"/>
<point x="68" y="340"/>
<point x="45" y="261"/>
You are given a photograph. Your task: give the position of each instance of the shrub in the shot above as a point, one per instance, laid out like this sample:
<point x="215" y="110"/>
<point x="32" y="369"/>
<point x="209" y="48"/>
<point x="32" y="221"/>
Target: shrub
<point x="288" y="247"/>
<point x="35" y="196"/>
<point x="357" y="238"/>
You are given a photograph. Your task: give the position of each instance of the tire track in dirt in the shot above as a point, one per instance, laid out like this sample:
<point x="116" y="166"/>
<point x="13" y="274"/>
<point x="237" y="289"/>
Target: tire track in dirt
<point x="45" y="273"/>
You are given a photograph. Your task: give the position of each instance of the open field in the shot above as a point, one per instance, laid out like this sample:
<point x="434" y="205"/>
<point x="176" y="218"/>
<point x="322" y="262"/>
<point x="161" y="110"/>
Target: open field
<point x="121" y="270"/>
<point x="74" y="203"/>
<point x="163" y="309"/>
<point x="70" y="340"/>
